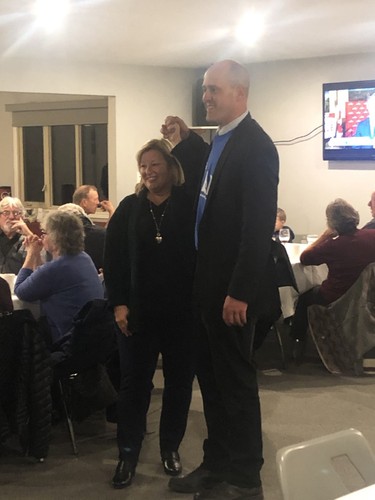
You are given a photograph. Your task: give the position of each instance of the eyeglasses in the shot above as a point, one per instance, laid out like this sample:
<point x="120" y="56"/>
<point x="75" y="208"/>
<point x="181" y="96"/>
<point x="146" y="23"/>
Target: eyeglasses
<point x="16" y="213"/>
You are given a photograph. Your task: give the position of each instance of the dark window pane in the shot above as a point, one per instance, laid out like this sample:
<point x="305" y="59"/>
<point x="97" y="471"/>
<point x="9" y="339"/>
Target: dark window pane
<point x="63" y="163"/>
<point x="94" y="155"/>
<point x="33" y="163"/>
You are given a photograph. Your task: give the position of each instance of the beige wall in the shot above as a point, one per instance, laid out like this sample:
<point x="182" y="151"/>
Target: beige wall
<point x="143" y="97"/>
<point x="285" y="98"/>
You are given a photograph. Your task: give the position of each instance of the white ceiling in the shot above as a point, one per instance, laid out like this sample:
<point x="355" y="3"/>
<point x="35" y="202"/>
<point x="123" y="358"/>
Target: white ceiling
<point x="189" y="33"/>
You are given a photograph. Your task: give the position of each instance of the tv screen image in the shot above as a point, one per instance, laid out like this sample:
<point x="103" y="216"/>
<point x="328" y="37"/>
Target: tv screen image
<point x="349" y="120"/>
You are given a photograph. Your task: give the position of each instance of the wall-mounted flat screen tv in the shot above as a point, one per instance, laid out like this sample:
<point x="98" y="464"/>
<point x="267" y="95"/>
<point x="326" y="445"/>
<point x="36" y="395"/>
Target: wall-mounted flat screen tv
<point x="349" y="121"/>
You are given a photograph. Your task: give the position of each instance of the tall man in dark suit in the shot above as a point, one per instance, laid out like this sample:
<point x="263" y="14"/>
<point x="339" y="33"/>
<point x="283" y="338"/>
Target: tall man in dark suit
<point x="236" y="213"/>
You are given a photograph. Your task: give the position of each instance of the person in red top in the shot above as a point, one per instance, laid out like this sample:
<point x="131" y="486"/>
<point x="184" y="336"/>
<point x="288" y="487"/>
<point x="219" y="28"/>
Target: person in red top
<point x="345" y="249"/>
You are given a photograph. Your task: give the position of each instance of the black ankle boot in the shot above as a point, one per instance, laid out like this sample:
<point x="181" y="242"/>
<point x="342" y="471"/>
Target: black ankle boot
<point x="124" y="474"/>
<point x="171" y="462"/>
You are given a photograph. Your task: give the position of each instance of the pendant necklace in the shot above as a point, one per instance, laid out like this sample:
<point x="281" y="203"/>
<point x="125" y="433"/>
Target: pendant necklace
<point x="158" y="237"/>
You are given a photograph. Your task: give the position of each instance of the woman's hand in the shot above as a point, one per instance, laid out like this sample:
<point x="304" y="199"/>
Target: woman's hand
<point x="33" y="245"/>
<point x="234" y="312"/>
<point x="121" y="318"/>
<point x="175" y="130"/>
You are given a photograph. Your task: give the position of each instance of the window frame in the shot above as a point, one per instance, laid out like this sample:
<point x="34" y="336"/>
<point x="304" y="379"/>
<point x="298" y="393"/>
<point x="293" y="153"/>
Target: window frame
<point x="46" y="115"/>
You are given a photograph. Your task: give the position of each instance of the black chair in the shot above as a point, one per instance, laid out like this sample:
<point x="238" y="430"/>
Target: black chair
<point x="284" y="276"/>
<point x="79" y="364"/>
<point x="25" y="381"/>
<point x="284" y="270"/>
<point x="83" y="393"/>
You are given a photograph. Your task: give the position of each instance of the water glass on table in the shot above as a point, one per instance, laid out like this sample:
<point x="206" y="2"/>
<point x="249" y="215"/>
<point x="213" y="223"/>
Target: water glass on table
<point x="311" y="238"/>
<point x="284" y="235"/>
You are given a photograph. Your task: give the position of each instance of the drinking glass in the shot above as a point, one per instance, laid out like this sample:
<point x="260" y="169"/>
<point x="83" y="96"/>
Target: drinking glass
<point x="284" y="235"/>
<point x="311" y="238"/>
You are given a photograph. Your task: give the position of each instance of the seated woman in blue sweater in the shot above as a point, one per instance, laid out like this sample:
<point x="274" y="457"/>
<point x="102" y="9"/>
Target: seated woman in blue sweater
<point x="66" y="283"/>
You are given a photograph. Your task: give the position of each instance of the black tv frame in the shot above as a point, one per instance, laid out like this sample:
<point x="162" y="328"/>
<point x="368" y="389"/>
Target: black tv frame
<point x="349" y="153"/>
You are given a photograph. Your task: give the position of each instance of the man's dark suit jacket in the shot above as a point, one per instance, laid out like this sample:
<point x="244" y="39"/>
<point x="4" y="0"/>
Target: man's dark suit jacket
<point x="238" y="221"/>
<point x="94" y="242"/>
<point x="370" y="225"/>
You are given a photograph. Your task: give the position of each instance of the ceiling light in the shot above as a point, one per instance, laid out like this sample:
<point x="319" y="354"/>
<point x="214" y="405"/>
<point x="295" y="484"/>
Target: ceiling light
<point x="51" y="14"/>
<point x="250" y="28"/>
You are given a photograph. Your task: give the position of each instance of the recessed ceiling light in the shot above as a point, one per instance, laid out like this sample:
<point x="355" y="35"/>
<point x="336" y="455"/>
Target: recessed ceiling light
<point x="51" y="14"/>
<point x="250" y="28"/>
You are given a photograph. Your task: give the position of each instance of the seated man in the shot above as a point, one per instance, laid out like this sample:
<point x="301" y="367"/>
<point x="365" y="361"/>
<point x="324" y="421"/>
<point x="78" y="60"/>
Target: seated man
<point x="371" y="204"/>
<point x="13" y="230"/>
<point x="87" y="197"/>
<point x="94" y="235"/>
<point x="280" y="223"/>
<point x="345" y="249"/>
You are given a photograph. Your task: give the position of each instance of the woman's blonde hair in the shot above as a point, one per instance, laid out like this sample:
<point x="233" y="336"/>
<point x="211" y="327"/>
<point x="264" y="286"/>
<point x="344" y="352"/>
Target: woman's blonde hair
<point x="164" y="148"/>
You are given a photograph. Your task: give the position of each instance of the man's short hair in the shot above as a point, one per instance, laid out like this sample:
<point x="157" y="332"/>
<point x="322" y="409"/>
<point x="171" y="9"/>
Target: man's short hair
<point x="281" y="214"/>
<point x="82" y="192"/>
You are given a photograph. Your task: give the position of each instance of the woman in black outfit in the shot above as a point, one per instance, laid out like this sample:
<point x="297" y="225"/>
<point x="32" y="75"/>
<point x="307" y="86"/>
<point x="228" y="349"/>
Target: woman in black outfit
<point x="148" y="269"/>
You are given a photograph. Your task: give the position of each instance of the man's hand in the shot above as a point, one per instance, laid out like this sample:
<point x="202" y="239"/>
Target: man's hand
<point x="234" y="312"/>
<point x="20" y="227"/>
<point x="107" y="206"/>
<point x="121" y="318"/>
<point x="175" y="130"/>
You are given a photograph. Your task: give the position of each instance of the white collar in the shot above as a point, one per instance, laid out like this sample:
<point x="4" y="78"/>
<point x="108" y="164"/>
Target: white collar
<point x="232" y="125"/>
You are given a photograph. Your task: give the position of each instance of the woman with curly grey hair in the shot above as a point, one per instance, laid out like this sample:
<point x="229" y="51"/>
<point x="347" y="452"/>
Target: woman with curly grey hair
<point x="65" y="284"/>
<point x="345" y="249"/>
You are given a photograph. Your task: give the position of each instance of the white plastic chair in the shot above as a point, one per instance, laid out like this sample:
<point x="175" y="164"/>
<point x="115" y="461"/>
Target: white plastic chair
<point x="311" y="470"/>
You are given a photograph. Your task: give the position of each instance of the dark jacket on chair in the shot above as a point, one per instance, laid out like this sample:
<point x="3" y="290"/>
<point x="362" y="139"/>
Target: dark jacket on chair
<point x="25" y="379"/>
<point x="84" y="351"/>
<point x="92" y="339"/>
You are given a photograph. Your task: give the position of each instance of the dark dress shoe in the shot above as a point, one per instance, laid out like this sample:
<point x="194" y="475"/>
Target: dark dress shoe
<point x="197" y="479"/>
<point x="171" y="463"/>
<point x="226" y="491"/>
<point x="124" y="475"/>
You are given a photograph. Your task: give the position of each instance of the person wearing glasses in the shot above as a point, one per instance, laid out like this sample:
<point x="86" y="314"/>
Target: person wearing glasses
<point x="13" y="230"/>
<point x="66" y="283"/>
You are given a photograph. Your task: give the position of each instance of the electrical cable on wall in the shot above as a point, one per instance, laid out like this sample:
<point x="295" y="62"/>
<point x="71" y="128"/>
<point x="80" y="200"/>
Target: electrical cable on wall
<point x="302" y="138"/>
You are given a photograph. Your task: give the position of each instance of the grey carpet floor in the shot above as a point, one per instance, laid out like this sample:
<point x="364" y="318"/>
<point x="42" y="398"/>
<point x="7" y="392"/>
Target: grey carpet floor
<point x="300" y="403"/>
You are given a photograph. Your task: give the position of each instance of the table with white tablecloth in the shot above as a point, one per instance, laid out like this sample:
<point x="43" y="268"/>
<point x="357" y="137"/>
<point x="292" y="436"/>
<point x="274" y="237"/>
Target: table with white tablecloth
<point x="18" y="304"/>
<point x="306" y="278"/>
